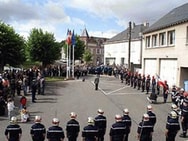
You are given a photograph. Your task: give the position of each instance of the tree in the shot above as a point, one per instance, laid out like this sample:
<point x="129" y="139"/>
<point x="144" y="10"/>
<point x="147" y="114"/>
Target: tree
<point x="43" y="47"/>
<point x="87" y="56"/>
<point x="12" y="47"/>
<point x="78" y="49"/>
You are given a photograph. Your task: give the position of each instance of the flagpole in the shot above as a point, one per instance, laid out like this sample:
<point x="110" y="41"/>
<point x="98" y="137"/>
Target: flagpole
<point x="67" y="75"/>
<point x="73" y="61"/>
<point x="69" y="60"/>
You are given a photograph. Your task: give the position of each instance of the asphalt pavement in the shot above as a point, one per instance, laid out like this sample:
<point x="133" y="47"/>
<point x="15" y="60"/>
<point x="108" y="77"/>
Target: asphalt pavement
<point x="64" y="97"/>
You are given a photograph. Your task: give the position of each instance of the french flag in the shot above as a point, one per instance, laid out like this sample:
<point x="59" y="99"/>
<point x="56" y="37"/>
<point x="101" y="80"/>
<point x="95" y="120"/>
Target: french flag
<point x="159" y="81"/>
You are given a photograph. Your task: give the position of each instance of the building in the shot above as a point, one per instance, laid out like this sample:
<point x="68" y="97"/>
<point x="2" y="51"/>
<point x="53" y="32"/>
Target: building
<point x="95" y="45"/>
<point x="166" y="47"/>
<point x="128" y="42"/>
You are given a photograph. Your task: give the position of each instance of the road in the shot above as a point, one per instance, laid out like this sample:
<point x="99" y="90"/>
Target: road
<point x="61" y="98"/>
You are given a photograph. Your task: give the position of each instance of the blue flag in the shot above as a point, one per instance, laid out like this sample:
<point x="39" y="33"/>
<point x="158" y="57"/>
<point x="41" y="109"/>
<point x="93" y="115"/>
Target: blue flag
<point x="73" y="38"/>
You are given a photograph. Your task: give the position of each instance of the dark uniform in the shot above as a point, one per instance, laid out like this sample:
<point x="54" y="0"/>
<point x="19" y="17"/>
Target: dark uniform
<point x="152" y="116"/>
<point x="100" y="122"/>
<point x="172" y="126"/>
<point x="117" y="131"/>
<point x="90" y="132"/>
<point x="72" y="129"/>
<point x="184" y="118"/>
<point x="143" y="83"/>
<point x="96" y="81"/>
<point x="128" y="123"/>
<point x="145" y="129"/>
<point x="148" y="84"/>
<point x="55" y="133"/>
<point x="38" y="132"/>
<point x="13" y="131"/>
<point x="165" y="91"/>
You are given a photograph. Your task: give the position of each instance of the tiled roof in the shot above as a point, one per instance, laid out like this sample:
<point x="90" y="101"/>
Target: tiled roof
<point x="176" y="16"/>
<point x="124" y="35"/>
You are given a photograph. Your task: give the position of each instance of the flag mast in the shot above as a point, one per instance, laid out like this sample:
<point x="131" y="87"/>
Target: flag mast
<point x="73" y="45"/>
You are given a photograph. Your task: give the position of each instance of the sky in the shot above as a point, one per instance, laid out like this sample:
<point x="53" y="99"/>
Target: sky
<point x="101" y="18"/>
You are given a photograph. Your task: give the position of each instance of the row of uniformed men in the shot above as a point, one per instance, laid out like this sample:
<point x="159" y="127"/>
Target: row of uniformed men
<point x="95" y="130"/>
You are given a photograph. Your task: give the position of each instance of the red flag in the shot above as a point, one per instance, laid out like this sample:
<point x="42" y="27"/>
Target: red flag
<point x="159" y="81"/>
<point x="68" y="37"/>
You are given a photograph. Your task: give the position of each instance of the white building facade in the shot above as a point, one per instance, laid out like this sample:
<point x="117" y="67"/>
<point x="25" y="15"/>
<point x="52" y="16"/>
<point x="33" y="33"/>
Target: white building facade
<point x="166" y="47"/>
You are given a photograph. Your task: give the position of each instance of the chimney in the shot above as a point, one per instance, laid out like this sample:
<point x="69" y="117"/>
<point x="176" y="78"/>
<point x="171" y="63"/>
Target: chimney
<point x="146" y="24"/>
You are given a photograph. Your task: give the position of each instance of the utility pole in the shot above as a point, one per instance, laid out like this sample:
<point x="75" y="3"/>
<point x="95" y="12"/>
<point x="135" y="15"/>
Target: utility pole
<point x="129" y="48"/>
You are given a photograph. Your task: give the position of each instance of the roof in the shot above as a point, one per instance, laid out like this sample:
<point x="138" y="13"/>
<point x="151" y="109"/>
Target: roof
<point x="124" y="35"/>
<point x="176" y="16"/>
<point x="85" y="33"/>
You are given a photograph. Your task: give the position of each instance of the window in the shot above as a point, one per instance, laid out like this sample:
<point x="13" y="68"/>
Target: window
<point x="98" y="51"/>
<point x="154" y="40"/>
<point x="162" y="39"/>
<point x="148" y="41"/>
<point x="171" y="37"/>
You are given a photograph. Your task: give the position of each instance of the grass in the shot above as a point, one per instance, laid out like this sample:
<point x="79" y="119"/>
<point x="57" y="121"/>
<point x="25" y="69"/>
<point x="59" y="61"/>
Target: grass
<point x="54" y="79"/>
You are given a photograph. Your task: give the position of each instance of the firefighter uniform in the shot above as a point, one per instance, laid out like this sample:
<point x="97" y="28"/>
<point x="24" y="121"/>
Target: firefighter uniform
<point x="55" y="132"/>
<point x="13" y="131"/>
<point x="100" y="122"/>
<point x="145" y="129"/>
<point x="72" y="127"/>
<point x="127" y="120"/>
<point x="172" y="126"/>
<point x="90" y="132"/>
<point x="152" y="116"/>
<point x="117" y="131"/>
<point x="184" y="118"/>
<point x="38" y="130"/>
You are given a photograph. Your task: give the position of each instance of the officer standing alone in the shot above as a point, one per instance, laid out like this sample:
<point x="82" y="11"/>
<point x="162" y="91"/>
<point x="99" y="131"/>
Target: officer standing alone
<point x="38" y="130"/>
<point x="96" y="81"/>
<point x="55" y="132"/>
<point x="100" y="122"/>
<point x="13" y="132"/>
<point x="72" y="127"/>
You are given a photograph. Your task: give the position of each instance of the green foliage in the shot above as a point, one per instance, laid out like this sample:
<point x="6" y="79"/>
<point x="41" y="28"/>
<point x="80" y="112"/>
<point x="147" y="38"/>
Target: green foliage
<point x="87" y="56"/>
<point x="43" y="47"/>
<point x="12" y="46"/>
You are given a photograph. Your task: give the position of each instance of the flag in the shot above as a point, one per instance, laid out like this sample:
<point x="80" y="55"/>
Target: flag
<point x="159" y="81"/>
<point x="73" y="40"/>
<point x="68" y="37"/>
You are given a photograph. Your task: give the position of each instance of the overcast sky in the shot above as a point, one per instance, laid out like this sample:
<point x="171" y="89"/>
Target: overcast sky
<point x="102" y="18"/>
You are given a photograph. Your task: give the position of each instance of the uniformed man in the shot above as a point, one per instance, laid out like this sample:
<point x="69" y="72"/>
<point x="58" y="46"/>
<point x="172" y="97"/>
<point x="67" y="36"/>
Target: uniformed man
<point x="117" y="131"/>
<point x="38" y="130"/>
<point x="152" y="116"/>
<point x="145" y="129"/>
<point x="174" y="108"/>
<point x="165" y="91"/>
<point x="143" y="82"/>
<point x="148" y="84"/>
<point x="13" y="131"/>
<point x="184" y="118"/>
<point x="90" y="132"/>
<point x="127" y="120"/>
<point x="55" y="132"/>
<point x="172" y="126"/>
<point x="96" y="81"/>
<point x="72" y="127"/>
<point x="100" y="122"/>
